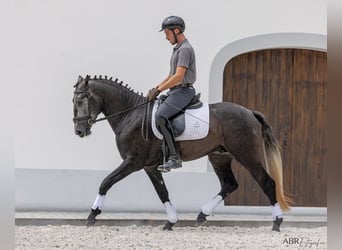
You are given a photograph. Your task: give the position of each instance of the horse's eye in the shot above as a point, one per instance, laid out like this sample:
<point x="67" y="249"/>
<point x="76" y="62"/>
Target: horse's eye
<point x="80" y="98"/>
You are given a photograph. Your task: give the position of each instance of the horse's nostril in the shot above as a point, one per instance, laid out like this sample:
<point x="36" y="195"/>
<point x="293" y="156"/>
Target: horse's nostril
<point x="78" y="132"/>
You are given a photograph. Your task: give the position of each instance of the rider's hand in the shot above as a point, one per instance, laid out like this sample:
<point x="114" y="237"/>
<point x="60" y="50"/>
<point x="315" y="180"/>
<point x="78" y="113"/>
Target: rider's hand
<point x="152" y="94"/>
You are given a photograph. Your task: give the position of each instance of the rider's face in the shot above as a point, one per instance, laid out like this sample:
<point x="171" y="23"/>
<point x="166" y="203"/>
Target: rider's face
<point x="169" y="36"/>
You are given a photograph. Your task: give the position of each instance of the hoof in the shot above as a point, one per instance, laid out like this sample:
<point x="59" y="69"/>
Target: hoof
<point x="201" y="219"/>
<point x="276" y="224"/>
<point x="168" y="226"/>
<point x="91" y="220"/>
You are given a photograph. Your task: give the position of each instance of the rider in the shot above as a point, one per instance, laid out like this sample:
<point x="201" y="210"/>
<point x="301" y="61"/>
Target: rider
<point x="180" y="80"/>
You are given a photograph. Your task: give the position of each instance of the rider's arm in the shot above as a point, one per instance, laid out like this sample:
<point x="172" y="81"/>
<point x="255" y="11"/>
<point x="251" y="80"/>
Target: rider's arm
<point x="165" y="80"/>
<point x="173" y="80"/>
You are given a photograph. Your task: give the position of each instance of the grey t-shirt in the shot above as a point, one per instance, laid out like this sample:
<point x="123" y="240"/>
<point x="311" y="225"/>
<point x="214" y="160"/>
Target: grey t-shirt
<point x="184" y="55"/>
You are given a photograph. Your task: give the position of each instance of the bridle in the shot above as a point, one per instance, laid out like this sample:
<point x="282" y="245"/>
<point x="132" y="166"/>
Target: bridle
<point x="85" y="117"/>
<point x="88" y="116"/>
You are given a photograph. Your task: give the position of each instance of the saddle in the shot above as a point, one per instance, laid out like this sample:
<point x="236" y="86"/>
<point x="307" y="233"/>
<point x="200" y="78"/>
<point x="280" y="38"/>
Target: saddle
<point x="178" y="122"/>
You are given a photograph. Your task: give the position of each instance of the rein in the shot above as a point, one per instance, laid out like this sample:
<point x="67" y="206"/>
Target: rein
<point x="145" y="135"/>
<point x="91" y="122"/>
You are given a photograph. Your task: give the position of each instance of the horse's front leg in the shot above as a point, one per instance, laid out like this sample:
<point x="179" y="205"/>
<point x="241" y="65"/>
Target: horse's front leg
<point x="127" y="167"/>
<point x="160" y="187"/>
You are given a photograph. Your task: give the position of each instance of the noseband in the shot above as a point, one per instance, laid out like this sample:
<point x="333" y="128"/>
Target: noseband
<point x="83" y="118"/>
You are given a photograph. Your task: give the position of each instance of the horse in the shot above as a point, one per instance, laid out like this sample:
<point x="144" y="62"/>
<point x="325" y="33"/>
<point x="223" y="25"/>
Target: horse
<point x="235" y="132"/>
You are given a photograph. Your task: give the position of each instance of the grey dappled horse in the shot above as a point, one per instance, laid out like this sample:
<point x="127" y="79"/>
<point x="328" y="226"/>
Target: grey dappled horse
<point x="235" y="132"/>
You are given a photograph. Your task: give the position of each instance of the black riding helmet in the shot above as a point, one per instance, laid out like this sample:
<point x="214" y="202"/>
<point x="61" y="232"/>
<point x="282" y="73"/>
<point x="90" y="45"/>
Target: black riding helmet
<point x="173" y="22"/>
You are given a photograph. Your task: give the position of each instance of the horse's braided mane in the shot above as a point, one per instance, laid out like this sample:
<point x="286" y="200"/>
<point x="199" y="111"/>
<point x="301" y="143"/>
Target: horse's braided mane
<point x="110" y="81"/>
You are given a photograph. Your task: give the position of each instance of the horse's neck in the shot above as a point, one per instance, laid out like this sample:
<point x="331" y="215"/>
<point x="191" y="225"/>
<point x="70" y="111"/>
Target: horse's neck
<point x="115" y="99"/>
<point x="119" y="100"/>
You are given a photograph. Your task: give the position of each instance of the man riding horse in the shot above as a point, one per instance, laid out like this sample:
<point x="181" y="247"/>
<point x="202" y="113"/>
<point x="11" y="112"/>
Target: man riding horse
<point x="180" y="82"/>
<point x="235" y="133"/>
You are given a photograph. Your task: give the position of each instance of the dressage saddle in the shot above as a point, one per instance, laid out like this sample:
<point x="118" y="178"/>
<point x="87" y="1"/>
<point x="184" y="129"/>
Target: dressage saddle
<point x="178" y="122"/>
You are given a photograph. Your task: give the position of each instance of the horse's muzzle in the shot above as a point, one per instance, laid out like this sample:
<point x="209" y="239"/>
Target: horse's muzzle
<point x="81" y="132"/>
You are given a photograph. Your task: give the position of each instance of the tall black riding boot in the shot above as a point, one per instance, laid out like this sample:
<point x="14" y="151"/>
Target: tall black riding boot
<point x="174" y="160"/>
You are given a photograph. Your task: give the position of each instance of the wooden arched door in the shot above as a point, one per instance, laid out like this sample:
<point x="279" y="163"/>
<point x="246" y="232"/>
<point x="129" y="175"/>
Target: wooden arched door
<point x="290" y="87"/>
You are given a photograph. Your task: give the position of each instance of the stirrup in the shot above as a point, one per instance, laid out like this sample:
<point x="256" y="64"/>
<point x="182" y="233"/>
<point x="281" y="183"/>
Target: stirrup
<point x="170" y="164"/>
<point x="163" y="169"/>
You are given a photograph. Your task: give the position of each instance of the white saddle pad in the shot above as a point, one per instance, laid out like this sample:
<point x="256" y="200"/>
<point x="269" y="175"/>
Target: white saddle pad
<point x="196" y="123"/>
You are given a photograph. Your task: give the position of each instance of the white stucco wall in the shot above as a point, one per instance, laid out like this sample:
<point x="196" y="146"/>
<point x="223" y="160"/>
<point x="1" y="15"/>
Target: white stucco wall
<point x="56" y="41"/>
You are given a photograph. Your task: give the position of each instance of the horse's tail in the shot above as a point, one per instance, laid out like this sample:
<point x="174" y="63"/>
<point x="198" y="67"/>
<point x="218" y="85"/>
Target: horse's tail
<point x="274" y="164"/>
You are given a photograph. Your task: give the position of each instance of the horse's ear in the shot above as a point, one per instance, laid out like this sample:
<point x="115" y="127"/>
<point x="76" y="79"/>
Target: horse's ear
<point x="80" y="79"/>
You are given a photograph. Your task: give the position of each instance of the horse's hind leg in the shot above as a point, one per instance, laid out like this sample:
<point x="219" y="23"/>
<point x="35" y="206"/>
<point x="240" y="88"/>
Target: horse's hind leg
<point x="267" y="184"/>
<point x="160" y="187"/>
<point x="221" y="163"/>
